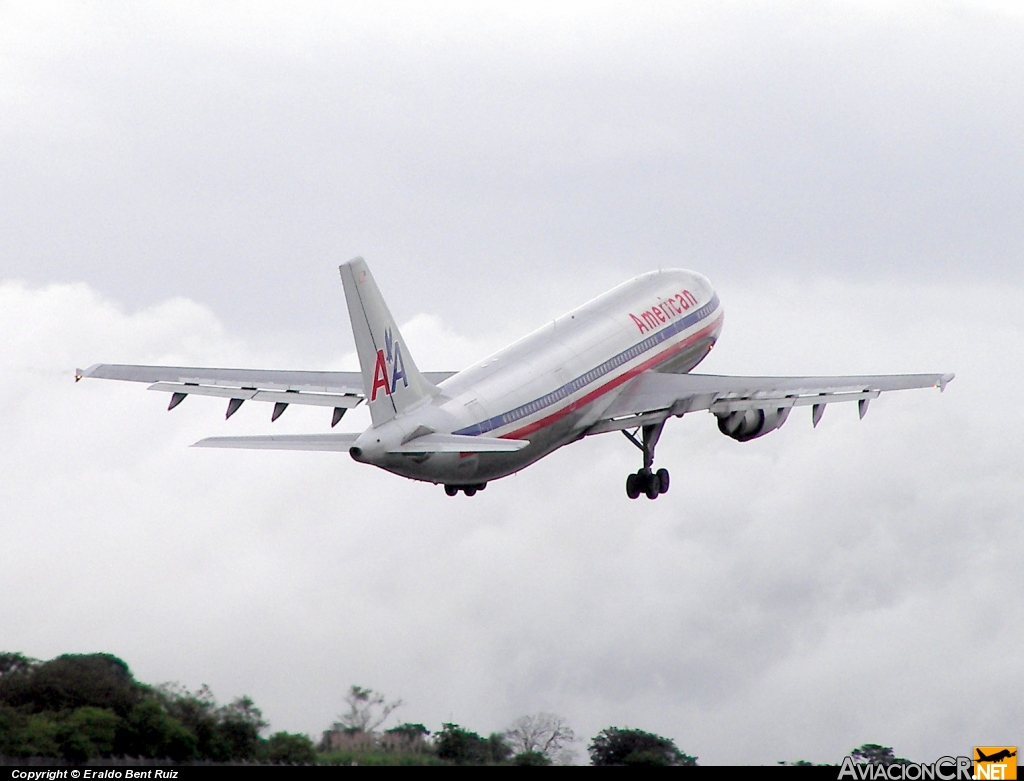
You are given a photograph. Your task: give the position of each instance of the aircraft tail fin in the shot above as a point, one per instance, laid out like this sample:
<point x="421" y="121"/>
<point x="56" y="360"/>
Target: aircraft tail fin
<point x="391" y="381"/>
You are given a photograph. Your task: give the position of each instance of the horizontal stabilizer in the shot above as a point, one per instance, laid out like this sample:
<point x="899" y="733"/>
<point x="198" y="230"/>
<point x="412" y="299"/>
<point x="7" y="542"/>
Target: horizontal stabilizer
<point x="431" y="443"/>
<point x="336" y="442"/>
<point x="457" y="443"/>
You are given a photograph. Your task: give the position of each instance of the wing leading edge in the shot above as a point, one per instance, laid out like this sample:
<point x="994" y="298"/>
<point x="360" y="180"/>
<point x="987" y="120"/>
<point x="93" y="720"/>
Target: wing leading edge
<point x="654" y="396"/>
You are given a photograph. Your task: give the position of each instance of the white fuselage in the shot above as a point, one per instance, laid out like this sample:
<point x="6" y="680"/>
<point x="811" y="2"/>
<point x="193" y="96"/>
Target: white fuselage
<point x="553" y="384"/>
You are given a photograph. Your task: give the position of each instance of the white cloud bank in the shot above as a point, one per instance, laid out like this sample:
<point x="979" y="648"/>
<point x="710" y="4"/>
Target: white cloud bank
<point x="236" y="153"/>
<point x="792" y="597"/>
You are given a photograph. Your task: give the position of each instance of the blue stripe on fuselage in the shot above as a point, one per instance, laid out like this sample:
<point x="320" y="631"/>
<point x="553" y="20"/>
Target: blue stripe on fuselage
<point x="581" y="382"/>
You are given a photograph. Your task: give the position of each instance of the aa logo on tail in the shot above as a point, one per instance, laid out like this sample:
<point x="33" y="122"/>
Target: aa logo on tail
<point x="995" y="762"/>
<point x="390" y="356"/>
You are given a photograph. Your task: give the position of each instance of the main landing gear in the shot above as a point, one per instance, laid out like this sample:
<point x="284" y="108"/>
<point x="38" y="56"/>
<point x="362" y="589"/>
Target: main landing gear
<point x="653" y="484"/>
<point x="469" y="490"/>
<point x="646" y="480"/>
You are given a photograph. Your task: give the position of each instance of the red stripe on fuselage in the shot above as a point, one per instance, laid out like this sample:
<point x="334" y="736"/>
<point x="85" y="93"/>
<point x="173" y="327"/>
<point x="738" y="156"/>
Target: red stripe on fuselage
<point x="612" y="384"/>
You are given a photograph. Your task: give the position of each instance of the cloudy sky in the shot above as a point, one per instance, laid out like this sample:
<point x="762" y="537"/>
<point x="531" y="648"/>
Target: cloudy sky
<point x="178" y="184"/>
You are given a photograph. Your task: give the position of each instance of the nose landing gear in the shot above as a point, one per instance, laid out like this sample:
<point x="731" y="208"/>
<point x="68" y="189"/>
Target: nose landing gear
<point x="646" y="480"/>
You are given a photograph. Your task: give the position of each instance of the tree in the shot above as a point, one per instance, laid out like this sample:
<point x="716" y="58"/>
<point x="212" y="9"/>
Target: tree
<point x="409" y="731"/>
<point x="463" y="747"/>
<point x="82" y="706"/>
<point x="198" y="713"/>
<point x="367" y="710"/>
<point x="614" y="746"/>
<point x="283" y="748"/>
<point x="460" y="746"/>
<point x="150" y="731"/>
<point x="68" y="682"/>
<point x="40" y="736"/>
<point x="873" y="754"/>
<point x="530" y="759"/>
<point x="498" y="751"/>
<point x="220" y="733"/>
<point x="15" y="664"/>
<point x="542" y="733"/>
<point x="27" y="735"/>
<point x="240" y="726"/>
<point x="88" y="732"/>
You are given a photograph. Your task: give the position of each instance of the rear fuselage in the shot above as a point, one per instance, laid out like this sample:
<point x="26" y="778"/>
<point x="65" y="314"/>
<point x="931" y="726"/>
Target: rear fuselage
<point x="552" y="385"/>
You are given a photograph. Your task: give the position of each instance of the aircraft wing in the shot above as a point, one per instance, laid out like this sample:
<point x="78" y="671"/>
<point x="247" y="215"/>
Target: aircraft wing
<point x="341" y="390"/>
<point x="653" y="396"/>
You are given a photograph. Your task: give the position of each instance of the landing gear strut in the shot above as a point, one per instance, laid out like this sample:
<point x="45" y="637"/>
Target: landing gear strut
<point x="469" y="490"/>
<point x="646" y="480"/>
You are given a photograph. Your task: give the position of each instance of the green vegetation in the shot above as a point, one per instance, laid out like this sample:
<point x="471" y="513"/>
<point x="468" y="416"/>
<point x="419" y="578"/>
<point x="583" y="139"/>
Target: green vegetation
<point x="873" y="754"/>
<point x="81" y="706"/>
<point x="530" y="759"/>
<point x="461" y="747"/>
<point x="614" y="746"/>
<point x="868" y="754"/>
<point x="86" y="706"/>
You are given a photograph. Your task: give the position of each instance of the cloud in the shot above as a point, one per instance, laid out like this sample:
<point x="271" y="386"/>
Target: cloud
<point x="792" y="597"/>
<point x="235" y="154"/>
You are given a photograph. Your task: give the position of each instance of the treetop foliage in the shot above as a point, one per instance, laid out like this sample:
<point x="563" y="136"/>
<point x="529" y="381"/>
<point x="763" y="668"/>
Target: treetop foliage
<point x="409" y="731"/>
<point x="82" y="706"/>
<point x="463" y="747"/>
<point x="283" y="748"/>
<point x="874" y="754"/>
<point x="531" y="759"/>
<point x="868" y="754"/>
<point x="12" y="664"/>
<point x="615" y="746"/>
<point x="87" y="706"/>
<point x="68" y="682"/>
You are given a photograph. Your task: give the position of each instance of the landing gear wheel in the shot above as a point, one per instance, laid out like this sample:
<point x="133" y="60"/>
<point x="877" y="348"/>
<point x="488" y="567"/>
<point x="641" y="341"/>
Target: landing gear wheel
<point x="633" y="486"/>
<point x="451" y="490"/>
<point x="469" y="490"/>
<point x="662" y="476"/>
<point x="652" y="485"/>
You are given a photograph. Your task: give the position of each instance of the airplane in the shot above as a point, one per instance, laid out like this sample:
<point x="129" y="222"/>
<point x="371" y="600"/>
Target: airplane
<point x="997" y="757"/>
<point x="621" y="362"/>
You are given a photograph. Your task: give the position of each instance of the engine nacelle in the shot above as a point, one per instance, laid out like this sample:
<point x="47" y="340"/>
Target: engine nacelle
<point x="744" y="425"/>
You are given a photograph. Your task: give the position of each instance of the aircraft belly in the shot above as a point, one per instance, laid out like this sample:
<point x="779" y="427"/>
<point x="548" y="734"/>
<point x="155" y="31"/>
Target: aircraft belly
<point x="458" y="469"/>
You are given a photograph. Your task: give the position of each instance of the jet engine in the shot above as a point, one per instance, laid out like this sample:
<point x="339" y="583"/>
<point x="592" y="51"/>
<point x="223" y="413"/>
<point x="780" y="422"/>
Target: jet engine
<point x="744" y="425"/>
